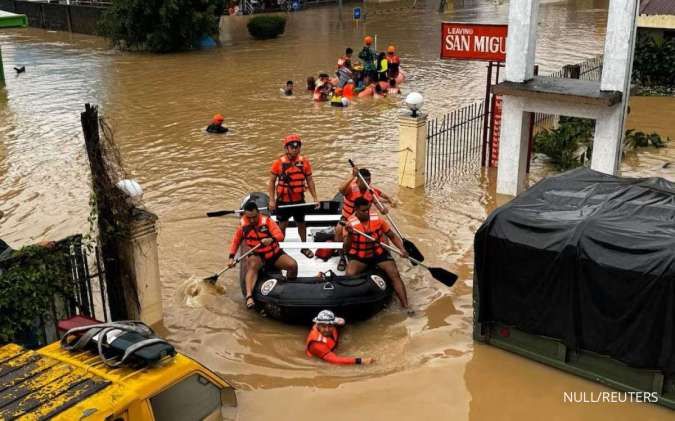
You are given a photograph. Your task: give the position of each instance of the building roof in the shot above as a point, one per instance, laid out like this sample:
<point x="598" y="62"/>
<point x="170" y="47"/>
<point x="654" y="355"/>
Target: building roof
<point x="657" y="7"/>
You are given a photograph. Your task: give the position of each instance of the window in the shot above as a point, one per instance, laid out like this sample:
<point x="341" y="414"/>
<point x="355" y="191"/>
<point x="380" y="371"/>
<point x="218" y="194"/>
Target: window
<point x="193" y="398"/>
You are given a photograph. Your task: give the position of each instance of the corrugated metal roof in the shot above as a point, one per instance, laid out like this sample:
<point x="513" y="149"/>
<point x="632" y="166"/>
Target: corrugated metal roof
<point x="657" y="7"/>
<point x="41" y="387"/>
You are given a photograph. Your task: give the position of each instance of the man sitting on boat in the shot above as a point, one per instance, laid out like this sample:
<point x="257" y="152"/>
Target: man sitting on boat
<point x="365" y="253"/>
<point x="255" y="229"/>
<point x="352" y="189"/>
<point x="323" y="339"/>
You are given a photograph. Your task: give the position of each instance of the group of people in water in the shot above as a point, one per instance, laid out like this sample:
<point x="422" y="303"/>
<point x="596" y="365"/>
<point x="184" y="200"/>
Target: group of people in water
<point x="370" y="74"/>
<point x="291" y="177"/>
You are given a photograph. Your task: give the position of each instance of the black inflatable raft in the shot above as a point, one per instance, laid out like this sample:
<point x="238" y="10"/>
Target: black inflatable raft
<point x="319" y="286"/>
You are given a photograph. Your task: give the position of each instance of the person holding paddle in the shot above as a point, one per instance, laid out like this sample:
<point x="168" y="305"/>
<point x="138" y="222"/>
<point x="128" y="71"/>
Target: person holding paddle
<point x="352" y="189"/>
<point x="367" y="252"/>
<point x="291" y="176"/>
<point x="261" y="232"/>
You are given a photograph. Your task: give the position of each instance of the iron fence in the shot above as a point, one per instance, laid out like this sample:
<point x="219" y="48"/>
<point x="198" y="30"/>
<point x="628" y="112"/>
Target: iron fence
<point x="455" y="137"/>
<point x="87" y="295"/>
<point x="590" y="69"/>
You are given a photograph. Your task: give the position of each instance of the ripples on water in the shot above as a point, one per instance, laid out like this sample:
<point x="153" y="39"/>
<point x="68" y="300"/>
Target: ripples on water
<point x="158" y="106"/>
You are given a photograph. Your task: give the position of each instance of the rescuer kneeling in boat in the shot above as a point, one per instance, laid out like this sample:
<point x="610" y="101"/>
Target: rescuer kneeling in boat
<point x="257" y="229"/>
<point x="323" y="339"/>
<point x="365" y="253"/>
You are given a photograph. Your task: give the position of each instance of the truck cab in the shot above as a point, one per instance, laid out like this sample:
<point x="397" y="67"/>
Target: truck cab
<point x="59" y="384"/>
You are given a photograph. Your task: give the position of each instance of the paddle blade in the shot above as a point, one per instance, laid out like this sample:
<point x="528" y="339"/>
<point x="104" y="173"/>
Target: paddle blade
<point x="443" y="276"/>
<point x="211" y="279"/>
<point x="412" y="250"/>
<point x="219" y="213"/>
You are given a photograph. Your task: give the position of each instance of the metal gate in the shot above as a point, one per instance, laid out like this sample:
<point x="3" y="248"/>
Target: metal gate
<point x="455" y="138"/>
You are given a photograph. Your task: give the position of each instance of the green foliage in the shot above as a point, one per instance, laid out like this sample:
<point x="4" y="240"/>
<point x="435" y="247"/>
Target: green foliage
<point x="160" y="26"/>
<point x="571" y="144"/>
<point x="28" y="283"/>
<point x="266" y="27"/>
<point x="568" y="146"/>
<point x="653" y="63"/>
<point x="639" y="139"/>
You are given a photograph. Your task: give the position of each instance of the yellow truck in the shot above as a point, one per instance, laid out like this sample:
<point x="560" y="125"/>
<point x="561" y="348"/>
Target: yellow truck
<point x="95" y="382"/>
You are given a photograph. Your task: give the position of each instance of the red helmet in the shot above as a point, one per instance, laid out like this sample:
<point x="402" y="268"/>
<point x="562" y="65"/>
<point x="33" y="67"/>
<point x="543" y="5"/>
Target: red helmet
<point x="292" y="138"/>
<point x="368" y="40"/>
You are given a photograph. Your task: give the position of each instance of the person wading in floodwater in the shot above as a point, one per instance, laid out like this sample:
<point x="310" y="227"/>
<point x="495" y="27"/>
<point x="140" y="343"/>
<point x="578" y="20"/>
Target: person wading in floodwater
<point x="291" y="176"/>
<point x="323" y="339"/>
<point x="364" y="253"/>
<point x="257" y="229"/>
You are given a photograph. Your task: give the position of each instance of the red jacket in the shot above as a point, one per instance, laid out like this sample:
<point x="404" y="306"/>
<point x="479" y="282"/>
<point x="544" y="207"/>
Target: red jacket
<point x="322" y="347"/>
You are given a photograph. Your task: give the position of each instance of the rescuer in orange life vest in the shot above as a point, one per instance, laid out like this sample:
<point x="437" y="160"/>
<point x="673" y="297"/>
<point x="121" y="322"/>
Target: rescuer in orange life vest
<point x="291" y="176"/>
<point x="363" y="252"/>
<point x="393" y="62"/>
<point x="257" y="229"/>
<point x="352" y="189"/>
<point x="323" y="339"/>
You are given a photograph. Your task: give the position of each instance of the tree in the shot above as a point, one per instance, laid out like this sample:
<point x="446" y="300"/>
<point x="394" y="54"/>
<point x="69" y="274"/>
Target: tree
<point x="160" y="26"/>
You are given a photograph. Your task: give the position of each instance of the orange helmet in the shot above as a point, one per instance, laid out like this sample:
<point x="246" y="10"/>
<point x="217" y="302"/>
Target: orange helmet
<point x="218" y="118"/>
<point x="391" y="49"/>
<point x="368" y="40"/>
<point x="292" y="138"/>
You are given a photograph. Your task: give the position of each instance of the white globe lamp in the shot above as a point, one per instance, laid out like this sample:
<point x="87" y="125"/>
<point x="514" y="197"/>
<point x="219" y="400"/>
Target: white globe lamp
<point x="414" y="101"/>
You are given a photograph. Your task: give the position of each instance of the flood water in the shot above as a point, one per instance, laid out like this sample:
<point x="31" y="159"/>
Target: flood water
<point x="427" y="366"/>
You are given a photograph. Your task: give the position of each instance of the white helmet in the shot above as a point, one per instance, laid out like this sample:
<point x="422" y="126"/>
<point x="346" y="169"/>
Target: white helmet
<point x="327" y="317"/>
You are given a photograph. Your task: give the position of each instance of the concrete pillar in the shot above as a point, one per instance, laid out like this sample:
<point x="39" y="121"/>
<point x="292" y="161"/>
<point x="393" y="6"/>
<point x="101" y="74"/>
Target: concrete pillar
<point x="142" y="248"/>
<point x="513" y="146"/>
<point x="412" y="158"/>
<point x="514" y="133"/>
<point x="522" y="40"/>
<point x="616" y="73"/>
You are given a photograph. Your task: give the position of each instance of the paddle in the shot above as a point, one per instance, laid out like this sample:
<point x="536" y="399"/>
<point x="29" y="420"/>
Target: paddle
<point x="213" y="278"/>
<point x="229" y="212"/>
<point x="443" y="276"/>
<point x="409" y="246"/>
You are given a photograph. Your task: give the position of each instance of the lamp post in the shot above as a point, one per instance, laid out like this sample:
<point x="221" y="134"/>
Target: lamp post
<point x="414" y="101"/>
<point x="413" y="143"/>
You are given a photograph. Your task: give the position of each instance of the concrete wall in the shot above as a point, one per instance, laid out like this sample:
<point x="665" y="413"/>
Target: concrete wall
<point x="57" y="17"/>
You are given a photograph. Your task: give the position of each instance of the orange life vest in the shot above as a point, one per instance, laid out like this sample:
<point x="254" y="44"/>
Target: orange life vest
<point x="316" y="336"/>
<point x="362" y="247"/>
<point x="253" y="234"/>
<point x="353" y="193"/>
<point x="291" y="181"/>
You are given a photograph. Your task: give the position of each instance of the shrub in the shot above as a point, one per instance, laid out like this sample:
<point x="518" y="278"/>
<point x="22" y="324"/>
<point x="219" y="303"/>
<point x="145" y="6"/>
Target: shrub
<point x="653" y="63"/>
<point x="160" y="25"/>
<point x="266" y="27"/>
<point x="640" y="139"/>
<point x="28" y="284"/>
<point x="569" y="145"/>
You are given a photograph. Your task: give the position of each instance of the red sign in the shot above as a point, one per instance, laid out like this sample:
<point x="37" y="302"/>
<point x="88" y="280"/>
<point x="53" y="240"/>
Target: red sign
<point x="496" y="129"/>
<point x="465" y="41"/>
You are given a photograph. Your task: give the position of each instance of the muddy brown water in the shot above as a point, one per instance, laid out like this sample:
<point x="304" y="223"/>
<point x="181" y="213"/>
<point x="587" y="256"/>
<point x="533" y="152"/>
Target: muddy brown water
<point x="427" y="366"/>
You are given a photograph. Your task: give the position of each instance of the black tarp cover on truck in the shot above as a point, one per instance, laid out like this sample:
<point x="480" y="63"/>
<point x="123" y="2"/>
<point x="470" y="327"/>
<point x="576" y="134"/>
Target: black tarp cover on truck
<point x="586" y="258"/>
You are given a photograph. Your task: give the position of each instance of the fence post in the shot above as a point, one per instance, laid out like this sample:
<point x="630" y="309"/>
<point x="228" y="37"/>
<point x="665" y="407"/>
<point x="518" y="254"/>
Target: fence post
<point x="413" y="145"/>
<point x="141" y="249"/>
<point x="2" y="71"/>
